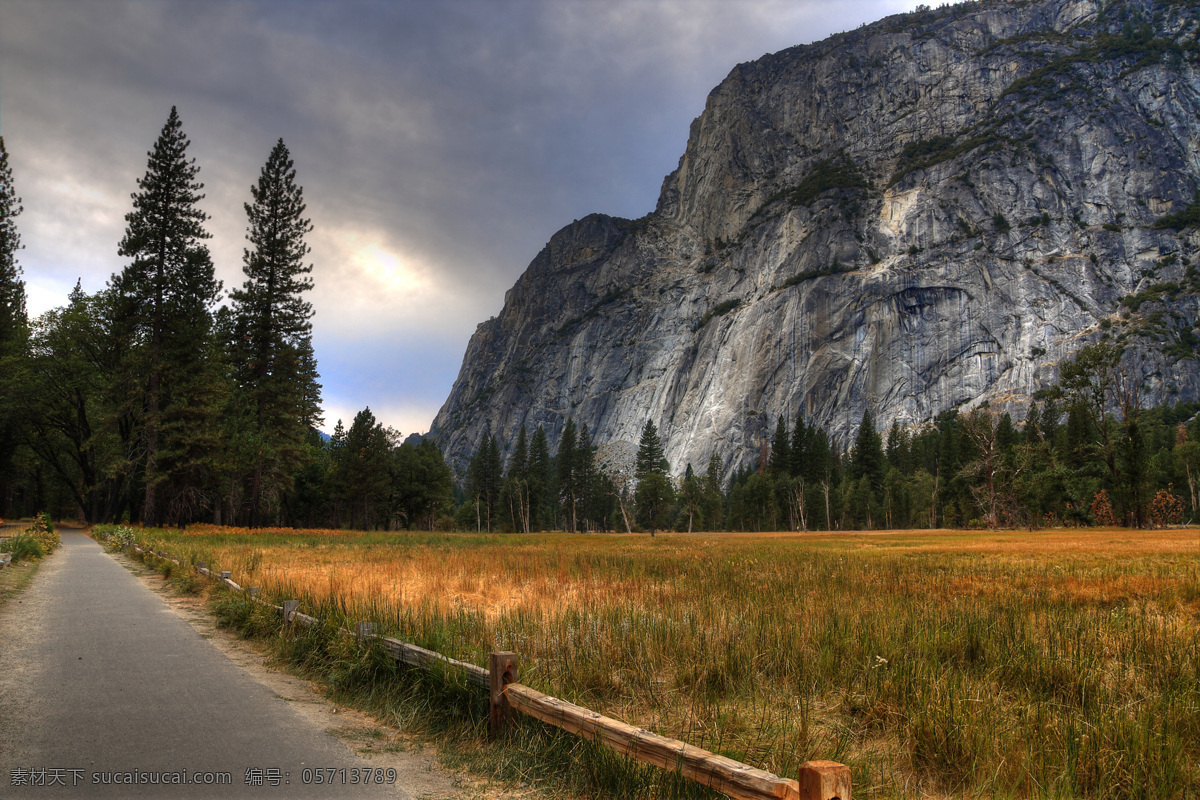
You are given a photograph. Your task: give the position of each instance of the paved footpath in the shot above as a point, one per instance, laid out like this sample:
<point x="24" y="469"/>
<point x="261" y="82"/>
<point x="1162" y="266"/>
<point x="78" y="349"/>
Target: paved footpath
<point x="100" y="681"/>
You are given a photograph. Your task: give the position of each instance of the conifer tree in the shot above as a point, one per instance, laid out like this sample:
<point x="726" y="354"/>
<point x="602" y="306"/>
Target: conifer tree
<point x="1006" y="434"/>
<point x="1033" y="425"/>
<point x="541" y="479"/>
<point x="898" y="453"/>
<point x="780" y="464"/>
<point x="567" y="475"/>
<point x="587" y="478"/>
<point x="949" y="460"/>
<point x="868" y="459"/>
<point x="421" y="483"/>
<point x="1051" y="420"/>
<point x="516" y="486"/>
<point x="800" y="448"/>
<point x="650" y="456"/>
<point x="493" y="477"/>
<point x="484" y="477"/>
<point x="691" y="496"/>
<point x="165" y="295"/>
<point x="13" y="324"/>
<point x="654" y="493"/>
<point x="714" y="492"/>
<point x="274" y="362"/>
<point x="365" y="456"/>
<point x="336" y="480"/>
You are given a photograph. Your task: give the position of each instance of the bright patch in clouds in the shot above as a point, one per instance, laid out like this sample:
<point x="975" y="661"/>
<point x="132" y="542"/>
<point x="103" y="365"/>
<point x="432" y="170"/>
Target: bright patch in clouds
<point x="367" y="287"/>
<point x="386" y="274"/>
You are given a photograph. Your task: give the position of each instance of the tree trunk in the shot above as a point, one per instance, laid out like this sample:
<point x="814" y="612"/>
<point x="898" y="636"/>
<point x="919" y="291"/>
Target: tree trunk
<point x="624" y="513"/>
<point x="828" y="517"/>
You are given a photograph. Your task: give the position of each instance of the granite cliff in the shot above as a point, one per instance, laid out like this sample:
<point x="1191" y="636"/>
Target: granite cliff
<point x="924" y="214"/>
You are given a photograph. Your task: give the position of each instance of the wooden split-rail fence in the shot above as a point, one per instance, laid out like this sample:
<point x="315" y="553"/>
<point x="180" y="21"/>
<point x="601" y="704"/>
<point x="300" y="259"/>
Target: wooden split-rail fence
<point x="817" y="780"/>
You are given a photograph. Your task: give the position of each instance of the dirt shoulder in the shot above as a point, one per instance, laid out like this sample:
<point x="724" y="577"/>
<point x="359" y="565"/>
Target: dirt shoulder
<point x="15" y="577"/>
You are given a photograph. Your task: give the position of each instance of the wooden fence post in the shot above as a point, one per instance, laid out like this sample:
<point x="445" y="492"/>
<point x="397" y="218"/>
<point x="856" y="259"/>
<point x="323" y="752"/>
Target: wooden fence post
<point x="254" y="591"/>
<point x="289" y="608"/>
<point x="502" y="670"/>
<point x="364" y="631"/>
<point x="824" y="780"/>
<point x="226" y="574"/>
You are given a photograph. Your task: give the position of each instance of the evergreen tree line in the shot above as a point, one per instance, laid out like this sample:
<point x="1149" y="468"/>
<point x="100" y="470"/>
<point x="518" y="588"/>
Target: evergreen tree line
<point x="1087" y="454"/>
<point x="150" y="402"/>
<point x="566" y="491"/>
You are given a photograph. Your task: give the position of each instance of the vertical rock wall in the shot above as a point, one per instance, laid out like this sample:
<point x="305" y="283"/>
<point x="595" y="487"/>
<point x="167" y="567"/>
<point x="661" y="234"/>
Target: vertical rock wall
<point x="922" y="215"/>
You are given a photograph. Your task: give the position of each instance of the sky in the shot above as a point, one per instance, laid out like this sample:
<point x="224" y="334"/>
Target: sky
<point x="439" y="143"/>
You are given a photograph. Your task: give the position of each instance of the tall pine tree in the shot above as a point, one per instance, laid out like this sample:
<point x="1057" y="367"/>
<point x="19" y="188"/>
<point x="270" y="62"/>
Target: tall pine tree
<point x="654" y="494"/>
<point x="868" y="459"/>
<point x="587" y="479"/>
<point x="567" y="475"/>
<point x="14" y="326"/>
<point x="516" y="484"/>
<point x="541" y="482"/>
<point x="780" y="464"/>
<point x="165" y="296"/>
<point x="363" y="458"/>
<point x="650" y="456"/>
<point x="484" y="479"/>
<point x="13" y="322"/>
<point x="274" y="363"/>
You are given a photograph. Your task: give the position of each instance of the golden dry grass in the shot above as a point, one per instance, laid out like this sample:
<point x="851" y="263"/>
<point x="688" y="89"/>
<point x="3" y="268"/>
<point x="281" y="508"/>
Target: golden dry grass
<point x="1055" y="663"/>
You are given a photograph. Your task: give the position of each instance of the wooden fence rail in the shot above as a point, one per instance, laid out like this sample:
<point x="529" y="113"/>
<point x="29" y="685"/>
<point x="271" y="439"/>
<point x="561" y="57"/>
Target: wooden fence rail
<point x="818" y="780"/>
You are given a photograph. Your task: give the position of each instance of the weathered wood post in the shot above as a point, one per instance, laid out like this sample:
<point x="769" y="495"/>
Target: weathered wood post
<point x="502" y="670"/>
<point x="226" y="574"/>
<point x="289" y="607"/>
<point x="254" y="591"/>
<point x="824" y="780"/>
<point x="363" y="631"/>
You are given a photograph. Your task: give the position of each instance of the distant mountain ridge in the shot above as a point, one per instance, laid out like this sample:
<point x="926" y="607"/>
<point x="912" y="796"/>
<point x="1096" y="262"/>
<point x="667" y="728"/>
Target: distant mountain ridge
<point x="921" y="215"/>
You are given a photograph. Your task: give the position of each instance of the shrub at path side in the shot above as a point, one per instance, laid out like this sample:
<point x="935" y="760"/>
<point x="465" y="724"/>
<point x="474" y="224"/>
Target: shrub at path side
<point x="23" y="548"/>
<point x="38" y="540"/>
<point x="42" y="530"/>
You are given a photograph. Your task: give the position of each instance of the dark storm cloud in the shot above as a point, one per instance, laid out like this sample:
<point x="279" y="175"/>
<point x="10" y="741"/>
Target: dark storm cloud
<point x="439" y="144"/>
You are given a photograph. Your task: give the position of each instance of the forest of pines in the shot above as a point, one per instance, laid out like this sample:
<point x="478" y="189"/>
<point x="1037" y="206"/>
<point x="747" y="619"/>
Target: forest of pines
<point x="152" y="402"/>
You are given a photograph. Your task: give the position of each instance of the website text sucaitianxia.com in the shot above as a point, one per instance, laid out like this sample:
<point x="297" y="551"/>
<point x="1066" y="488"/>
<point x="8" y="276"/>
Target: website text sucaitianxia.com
<point x="33" y="777"/>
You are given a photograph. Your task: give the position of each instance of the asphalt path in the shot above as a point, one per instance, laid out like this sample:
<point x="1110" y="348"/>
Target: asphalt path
<point x="101" y="682"/>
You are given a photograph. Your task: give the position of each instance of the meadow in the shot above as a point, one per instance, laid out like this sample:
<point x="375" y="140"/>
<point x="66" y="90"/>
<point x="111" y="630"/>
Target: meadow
<point x="1061" y="663"/>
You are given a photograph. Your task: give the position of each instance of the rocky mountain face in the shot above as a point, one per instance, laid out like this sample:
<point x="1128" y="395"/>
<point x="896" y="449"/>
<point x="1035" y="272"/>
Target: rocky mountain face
<point x="925" y="214"/>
